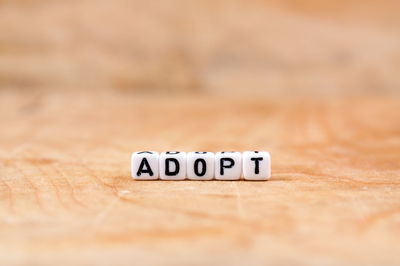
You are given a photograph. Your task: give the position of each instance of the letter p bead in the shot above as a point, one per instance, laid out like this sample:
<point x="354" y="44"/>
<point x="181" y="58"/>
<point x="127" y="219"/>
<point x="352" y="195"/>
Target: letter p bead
<point x="228" y="165"/>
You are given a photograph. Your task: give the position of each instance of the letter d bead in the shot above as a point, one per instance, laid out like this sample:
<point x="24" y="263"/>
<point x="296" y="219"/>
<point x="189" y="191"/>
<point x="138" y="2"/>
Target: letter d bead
<point x="172" y="165"/>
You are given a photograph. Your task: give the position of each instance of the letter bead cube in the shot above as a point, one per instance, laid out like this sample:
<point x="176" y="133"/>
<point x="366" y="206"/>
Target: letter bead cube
<point x="228" y="165"/>
<point x="172" y="165"/>
<point x="256" y="165"/>
<point x="200" y="165"/>
<point x="144" y="165"/>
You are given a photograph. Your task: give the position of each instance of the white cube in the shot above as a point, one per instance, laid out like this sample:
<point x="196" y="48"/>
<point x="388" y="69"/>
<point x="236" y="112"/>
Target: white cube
<point x="144" y="165"/>
<point x="200" y="165"/>
<point x="228" y="165"/>
<point x="172" y="165"/>
<point x="256" y="165"/>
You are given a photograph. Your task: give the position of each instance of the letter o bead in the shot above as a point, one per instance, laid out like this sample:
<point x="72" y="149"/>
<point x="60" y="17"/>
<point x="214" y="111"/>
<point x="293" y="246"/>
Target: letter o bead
<point x="200" y="165"/>
<point x="144" y="165"/>
<point x="172" y="165"/>
<point x="228" y="165"/>
<point x="256" y="165"/>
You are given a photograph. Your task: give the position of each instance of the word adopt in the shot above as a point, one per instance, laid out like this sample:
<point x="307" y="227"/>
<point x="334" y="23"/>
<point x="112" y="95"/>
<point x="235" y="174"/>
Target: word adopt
<point x="176" y="165"/>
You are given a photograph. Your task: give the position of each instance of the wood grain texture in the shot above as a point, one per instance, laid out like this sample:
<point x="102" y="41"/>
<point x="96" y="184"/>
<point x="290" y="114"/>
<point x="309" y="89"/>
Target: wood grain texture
<point x="67" y="196"/>
<point x="324" y="48"/>
<point x="84" y="83"/>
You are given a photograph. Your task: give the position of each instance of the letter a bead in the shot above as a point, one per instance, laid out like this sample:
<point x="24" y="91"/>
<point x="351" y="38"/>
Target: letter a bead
<point x="256" y="165"/>
<point x="228" y="165"/>
<point x="172" y="165"/>
<point x="200" y="165"/>
<point x="144" y="165"/>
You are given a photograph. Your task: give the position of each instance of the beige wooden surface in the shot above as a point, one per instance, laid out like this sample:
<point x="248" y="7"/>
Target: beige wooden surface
<point x="84" y="83"/>
<point x="302" y="47"/>
<point x="67" y="196"/>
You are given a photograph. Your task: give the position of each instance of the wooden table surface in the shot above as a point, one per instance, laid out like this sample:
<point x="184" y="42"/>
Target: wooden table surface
<point x="67" y="196"/>
<point x="85" y="83"/>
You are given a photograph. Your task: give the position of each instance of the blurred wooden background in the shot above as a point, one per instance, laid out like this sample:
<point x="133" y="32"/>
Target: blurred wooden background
<point x="85" y="83"/>
<point x="274" y="47"/>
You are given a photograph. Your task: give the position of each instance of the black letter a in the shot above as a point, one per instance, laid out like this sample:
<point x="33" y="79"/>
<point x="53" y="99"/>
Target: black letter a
<point x="144" y="167"/>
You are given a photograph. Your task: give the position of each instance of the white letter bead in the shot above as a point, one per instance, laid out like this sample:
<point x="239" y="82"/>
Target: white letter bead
<point x="200" y="165"/>
<point x="256" y="165"/>
<point x="228" y="165"/>
<point x="172" y="165"/>
<point x="144" y="165"/>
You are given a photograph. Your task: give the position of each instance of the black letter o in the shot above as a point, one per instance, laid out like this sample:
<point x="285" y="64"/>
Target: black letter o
<point x="196" y="167"/>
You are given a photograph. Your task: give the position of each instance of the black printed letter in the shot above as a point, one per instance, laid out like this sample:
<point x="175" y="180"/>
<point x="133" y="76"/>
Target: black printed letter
<point x="222" y="165"/>
<point x="144" y="167"/>
<point x="167" y="171"/>
<point x="256" y="161"/>
<point x="196" y="167"/>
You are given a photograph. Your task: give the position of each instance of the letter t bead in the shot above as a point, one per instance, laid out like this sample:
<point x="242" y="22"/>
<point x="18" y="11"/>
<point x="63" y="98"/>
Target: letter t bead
<point x="256" y="165"/>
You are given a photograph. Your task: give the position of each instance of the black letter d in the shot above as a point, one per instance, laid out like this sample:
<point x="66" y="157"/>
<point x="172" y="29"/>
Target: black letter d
<point x="168" y="172"/>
